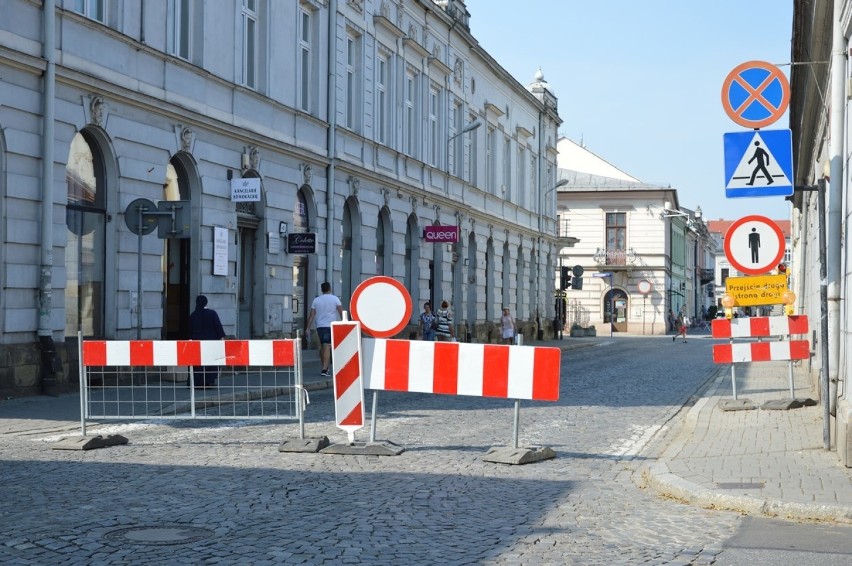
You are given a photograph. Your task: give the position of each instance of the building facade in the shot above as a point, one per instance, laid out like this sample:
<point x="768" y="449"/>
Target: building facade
<point x="642" y="255"/>
<point x="281" y="144"/>
<point x="820" y="121"/>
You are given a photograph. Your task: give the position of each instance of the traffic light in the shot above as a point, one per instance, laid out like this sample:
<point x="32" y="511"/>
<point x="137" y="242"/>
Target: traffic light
<point x="565" y="278"/>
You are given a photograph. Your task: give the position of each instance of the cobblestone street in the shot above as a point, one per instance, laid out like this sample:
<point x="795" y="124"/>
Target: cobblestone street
<point x="228" y="496"/>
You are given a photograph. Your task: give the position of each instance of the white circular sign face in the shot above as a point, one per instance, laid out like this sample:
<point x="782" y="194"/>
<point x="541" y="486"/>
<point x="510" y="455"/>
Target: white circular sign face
<point x="754" y="245"/>
<point x="645" y="286"/>
<point x="382" y="305"/>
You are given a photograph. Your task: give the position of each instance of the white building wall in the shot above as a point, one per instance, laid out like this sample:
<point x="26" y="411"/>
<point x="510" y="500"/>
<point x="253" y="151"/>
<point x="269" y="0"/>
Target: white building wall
<point x="151" y="97"/>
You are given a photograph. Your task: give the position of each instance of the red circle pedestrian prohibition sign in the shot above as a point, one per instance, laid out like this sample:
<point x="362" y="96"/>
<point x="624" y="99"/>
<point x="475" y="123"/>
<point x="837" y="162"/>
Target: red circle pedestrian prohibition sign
<point x="755" y="94"/>
<point x="754" y="245"/>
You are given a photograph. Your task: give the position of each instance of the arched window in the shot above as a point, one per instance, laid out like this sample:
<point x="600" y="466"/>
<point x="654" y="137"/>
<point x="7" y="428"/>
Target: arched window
<point x="84" y="251"/>
<point x="411" y="252"/>
<point x="384" y="242"/>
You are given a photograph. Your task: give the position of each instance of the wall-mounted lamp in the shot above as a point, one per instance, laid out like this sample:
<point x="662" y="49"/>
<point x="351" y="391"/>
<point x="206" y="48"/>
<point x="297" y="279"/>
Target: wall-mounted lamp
<point x="282" y="228"/>
<point x="467" y="261"/>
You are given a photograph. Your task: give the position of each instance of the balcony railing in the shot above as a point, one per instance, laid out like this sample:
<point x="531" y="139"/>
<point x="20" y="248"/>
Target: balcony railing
<point x="705" y="275"/>
<point x="614" y="257"/>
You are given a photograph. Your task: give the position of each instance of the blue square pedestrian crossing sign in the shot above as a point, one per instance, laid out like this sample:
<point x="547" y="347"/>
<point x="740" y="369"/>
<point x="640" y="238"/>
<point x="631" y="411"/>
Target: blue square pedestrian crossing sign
<point x="758" y="163"/>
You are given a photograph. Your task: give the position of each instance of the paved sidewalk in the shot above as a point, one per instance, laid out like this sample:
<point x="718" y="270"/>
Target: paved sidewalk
<point x="760" y="462"/>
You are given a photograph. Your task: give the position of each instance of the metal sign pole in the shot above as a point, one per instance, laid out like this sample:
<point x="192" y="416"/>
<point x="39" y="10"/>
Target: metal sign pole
<point x="139" y="279"/>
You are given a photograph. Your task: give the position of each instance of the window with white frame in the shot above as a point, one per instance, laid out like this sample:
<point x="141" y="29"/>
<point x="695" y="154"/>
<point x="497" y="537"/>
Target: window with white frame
<point x="249" y="20"/>
<point x="507" y="168"/>
<point x="382" y="98"/>
<point x="491" y="161"/>
<point x="458" y="140"/>
<point x="432" y="133"/>
<point x="473" y="155"/>
<point x="410" y="109"/>
<point x="353" y="81"/>
<point x="93" y="9"/>
<point x="182" y="31"/>
<point x="305" y="54"/>
<point x="522" y="176"/>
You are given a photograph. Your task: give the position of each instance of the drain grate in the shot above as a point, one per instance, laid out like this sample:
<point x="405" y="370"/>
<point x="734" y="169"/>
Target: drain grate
<point x="740" y="485"/>
<point x="159" y="535"/>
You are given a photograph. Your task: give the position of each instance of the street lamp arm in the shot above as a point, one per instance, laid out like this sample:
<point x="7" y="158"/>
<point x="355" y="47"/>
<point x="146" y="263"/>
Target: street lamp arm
<point x="469" y="128"/>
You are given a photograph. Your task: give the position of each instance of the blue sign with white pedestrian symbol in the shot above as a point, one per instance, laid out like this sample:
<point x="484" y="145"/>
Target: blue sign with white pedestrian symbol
<point x="759" y="163"/>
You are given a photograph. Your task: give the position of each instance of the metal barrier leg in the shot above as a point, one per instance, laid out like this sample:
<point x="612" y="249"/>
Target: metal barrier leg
<point x="790" y="372"/>
<point x="515" y="424"/>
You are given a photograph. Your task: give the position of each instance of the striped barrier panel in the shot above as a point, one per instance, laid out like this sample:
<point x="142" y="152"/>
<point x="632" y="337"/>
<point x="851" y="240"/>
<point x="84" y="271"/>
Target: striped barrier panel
<point x="142" y="353"/>
<point x="761" y="351"/>
<point x="756" y="349"/>
<point x="452" y="368"/>
<point x="760" y="326"/>
<point x="155" y="379"/>
<point x="348" y="383"/>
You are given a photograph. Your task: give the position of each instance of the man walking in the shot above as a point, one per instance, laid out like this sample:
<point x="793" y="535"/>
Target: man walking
<point x="325" y="309"/>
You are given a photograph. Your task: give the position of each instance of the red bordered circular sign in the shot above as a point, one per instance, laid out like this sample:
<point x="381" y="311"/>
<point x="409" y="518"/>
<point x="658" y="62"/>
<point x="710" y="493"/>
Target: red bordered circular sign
<point x="754" y="245"/>
<point x="382" y="305"/>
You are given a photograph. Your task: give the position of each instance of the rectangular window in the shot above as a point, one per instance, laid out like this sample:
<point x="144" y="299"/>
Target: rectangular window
<point x="616" y="238"/>
<point x="522" y="175"/>
<point x="182" y="29"/>
<point x="458" y="141"/>
<point x="93" y="9"/>
<point x="473" y="159"/>
<point x="304" y="49"/>
<point x="352" y="86"/>
<point x="249" y="15"/>
<point x="725" y="274"/>
<point x="491" y="161"/>
<point x="411" y="114"/>
<point x="434" y="102"/>
<point x="382" y="100"/>
<point x="507" y="169"/>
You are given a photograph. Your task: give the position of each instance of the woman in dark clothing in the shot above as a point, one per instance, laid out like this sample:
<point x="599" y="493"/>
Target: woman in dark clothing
<point x="204" y="324"/>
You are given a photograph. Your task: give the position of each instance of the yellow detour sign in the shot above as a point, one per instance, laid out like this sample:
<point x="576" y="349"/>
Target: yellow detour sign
<point x="758" y="290"/>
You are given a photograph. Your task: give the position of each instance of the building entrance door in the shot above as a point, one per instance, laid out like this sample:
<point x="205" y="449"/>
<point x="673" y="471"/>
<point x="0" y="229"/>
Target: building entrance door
<point x="176" y="300"/>
<point x="615" y="301"/>
<point x="245" y="271"/>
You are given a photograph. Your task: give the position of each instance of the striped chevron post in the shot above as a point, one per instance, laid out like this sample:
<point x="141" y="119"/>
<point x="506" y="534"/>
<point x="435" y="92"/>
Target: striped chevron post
<point x="348" y="382"/>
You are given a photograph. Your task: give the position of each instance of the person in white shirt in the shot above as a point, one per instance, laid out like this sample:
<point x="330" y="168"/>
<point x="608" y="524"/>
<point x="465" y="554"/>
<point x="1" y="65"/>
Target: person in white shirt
<point x="325" y="309"/>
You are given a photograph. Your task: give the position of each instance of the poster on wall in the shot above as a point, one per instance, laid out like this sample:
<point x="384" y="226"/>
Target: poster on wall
<point x="220" y="250"/>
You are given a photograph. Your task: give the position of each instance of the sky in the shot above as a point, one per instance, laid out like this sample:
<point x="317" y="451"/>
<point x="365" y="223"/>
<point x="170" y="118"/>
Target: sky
<point x="639" y="82"/>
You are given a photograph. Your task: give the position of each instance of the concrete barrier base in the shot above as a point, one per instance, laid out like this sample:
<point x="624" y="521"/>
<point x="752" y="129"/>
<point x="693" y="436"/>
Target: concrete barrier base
<point x="517" y="456"/>
<point x="307" y="444"/>
<point x="89" y="442"/>
<point x="385" y="448"/>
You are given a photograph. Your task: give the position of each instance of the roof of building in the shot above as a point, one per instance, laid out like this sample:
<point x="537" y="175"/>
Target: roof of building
<point x="576" y="157"/>
<point x="721" y="226"/>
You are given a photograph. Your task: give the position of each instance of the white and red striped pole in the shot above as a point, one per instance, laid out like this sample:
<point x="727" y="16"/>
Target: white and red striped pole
<point x="348" y="381"/>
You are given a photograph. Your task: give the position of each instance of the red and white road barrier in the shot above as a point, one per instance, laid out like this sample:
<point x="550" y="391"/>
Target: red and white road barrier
<point x="452" y="368"/>
<point x="348" y="383"/>
<point x="760" y="326"/>
<point x="280" y="353"/>
<point x="780" y="350"/>
<point x="757" y="349"/>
